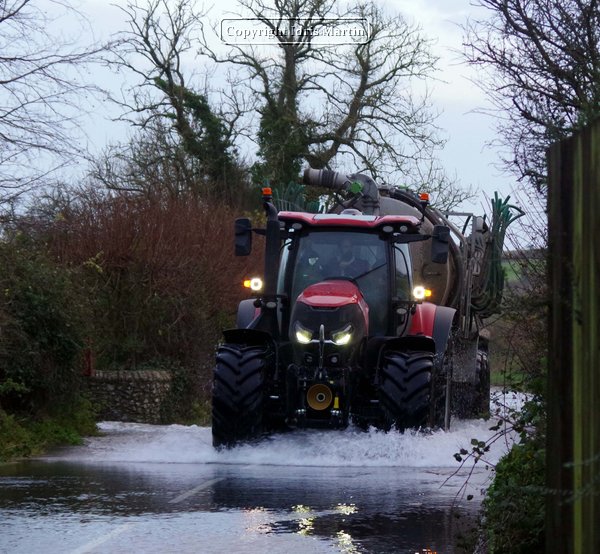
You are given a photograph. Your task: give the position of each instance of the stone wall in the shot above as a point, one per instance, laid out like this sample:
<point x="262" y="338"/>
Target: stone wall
<point x="137" y="396"/>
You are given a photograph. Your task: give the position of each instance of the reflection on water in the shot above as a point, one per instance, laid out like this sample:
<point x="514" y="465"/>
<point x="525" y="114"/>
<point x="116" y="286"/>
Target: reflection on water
<point x="345" y="543"/>
<point x="347" y="510"/>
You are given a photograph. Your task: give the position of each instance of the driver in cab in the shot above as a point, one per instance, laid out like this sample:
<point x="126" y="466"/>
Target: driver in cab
<point x="347" y="263"/>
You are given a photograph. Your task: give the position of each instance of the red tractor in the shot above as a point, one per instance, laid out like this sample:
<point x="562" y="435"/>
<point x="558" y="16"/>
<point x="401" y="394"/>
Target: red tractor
<point x="339" y="331"/>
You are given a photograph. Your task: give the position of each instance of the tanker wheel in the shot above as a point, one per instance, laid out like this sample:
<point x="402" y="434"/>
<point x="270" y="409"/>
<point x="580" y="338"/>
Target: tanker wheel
<point x="237" y="395"/>
<point x="472" y="399"/>
<point x="482" y="392"/>
<point x="440" y="392"/>
<point x="405" y="389"/>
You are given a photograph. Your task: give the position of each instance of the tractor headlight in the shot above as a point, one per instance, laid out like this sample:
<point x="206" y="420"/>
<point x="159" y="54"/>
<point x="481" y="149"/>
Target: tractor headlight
<point x="420" y="293"/>
<point x="254" y="284"/>
<point x="343" y="336"/>
<point x="303" y="335"/>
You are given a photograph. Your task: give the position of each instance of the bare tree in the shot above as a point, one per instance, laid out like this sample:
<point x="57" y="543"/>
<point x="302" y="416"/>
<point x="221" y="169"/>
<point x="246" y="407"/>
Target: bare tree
<point x="544" y="62"/>
<point x="347" y="105"/>
<point x="40" y="86"/>
<point x="321" y="103"/>
<point x="160" y="36"/>
<point x="151" y="164"/>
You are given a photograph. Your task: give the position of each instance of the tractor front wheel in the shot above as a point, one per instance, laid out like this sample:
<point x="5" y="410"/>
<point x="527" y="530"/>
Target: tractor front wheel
<point x="405" y="389"/>
<point x="237" y="395"/>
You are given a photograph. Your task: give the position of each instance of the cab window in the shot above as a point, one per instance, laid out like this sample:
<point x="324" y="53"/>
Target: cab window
<point x="352" y="255"/>
<point x="402" y="282"/>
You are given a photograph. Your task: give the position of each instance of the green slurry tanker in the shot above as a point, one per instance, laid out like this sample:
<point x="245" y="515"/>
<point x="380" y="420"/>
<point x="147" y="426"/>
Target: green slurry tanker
<point x="371" y="315"/>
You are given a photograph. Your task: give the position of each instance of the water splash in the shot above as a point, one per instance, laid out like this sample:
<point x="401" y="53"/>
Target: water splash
<point x="135" y="442"/>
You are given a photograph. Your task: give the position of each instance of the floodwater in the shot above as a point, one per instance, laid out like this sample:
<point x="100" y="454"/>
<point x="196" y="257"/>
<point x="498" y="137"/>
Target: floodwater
<point x="146" y="488"/>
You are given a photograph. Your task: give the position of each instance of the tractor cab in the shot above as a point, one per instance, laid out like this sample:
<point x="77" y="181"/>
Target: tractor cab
<point x="333" y="261"/>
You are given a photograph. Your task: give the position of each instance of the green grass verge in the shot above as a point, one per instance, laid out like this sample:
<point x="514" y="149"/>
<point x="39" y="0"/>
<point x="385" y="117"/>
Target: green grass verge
<point x="21" y="437"/>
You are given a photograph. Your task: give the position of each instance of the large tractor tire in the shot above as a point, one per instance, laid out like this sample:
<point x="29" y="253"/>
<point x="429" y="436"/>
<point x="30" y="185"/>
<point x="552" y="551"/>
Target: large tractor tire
<point x="237" y="396"/>
<point x="405" y="389"/>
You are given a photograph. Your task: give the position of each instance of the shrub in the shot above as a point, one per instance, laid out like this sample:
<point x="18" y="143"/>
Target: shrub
<point x="39" y="320"/>
<point x="15" y="440"/>
<point x="159" y="275"/>
<point x="150" y="280"/>
<point x="514" y="508"/>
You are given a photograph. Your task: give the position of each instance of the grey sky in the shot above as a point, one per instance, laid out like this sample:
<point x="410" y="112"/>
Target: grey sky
<point x="457" y="96"/>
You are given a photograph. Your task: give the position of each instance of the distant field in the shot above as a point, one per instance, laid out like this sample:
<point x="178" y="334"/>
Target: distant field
<point x="511" y="270"/>
<point x="516" y="271"/>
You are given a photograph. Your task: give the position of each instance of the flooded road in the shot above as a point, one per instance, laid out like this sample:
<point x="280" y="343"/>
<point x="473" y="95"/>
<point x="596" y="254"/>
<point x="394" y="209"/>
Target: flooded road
<point x="144" y="488"/>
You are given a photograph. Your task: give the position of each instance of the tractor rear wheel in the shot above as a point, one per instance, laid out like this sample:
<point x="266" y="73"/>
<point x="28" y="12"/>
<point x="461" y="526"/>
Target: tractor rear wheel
<point x="237" y="395"/>
<point x="405" y="389"/>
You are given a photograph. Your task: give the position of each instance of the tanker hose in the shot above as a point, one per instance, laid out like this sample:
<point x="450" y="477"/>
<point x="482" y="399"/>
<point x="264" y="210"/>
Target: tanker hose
<point x="488" y="296"/>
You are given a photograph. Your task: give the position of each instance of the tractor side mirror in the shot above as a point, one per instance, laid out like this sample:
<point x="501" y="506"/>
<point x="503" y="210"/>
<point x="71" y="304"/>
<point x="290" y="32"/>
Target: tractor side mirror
<point x="243" y="236"/>
<point x="439" y="244"/>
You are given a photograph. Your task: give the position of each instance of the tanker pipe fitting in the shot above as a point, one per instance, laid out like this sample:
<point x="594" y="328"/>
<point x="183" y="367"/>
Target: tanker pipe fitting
<point x="325" y="178"/>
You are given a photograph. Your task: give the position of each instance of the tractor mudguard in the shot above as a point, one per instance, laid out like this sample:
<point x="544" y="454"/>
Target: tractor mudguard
<point x="433" y="321"/>
<point x="249" y="337"/>
<point x="415" y="342"/>
<point x="247" y="313"/>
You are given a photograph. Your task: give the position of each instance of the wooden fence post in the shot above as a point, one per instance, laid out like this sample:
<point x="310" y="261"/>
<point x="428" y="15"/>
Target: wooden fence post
<point x="573" y="441"/>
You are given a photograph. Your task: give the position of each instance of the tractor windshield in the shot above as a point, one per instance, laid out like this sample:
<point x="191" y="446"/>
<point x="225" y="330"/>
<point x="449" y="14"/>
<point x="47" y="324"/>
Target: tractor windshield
<point x="362" y="257"/>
